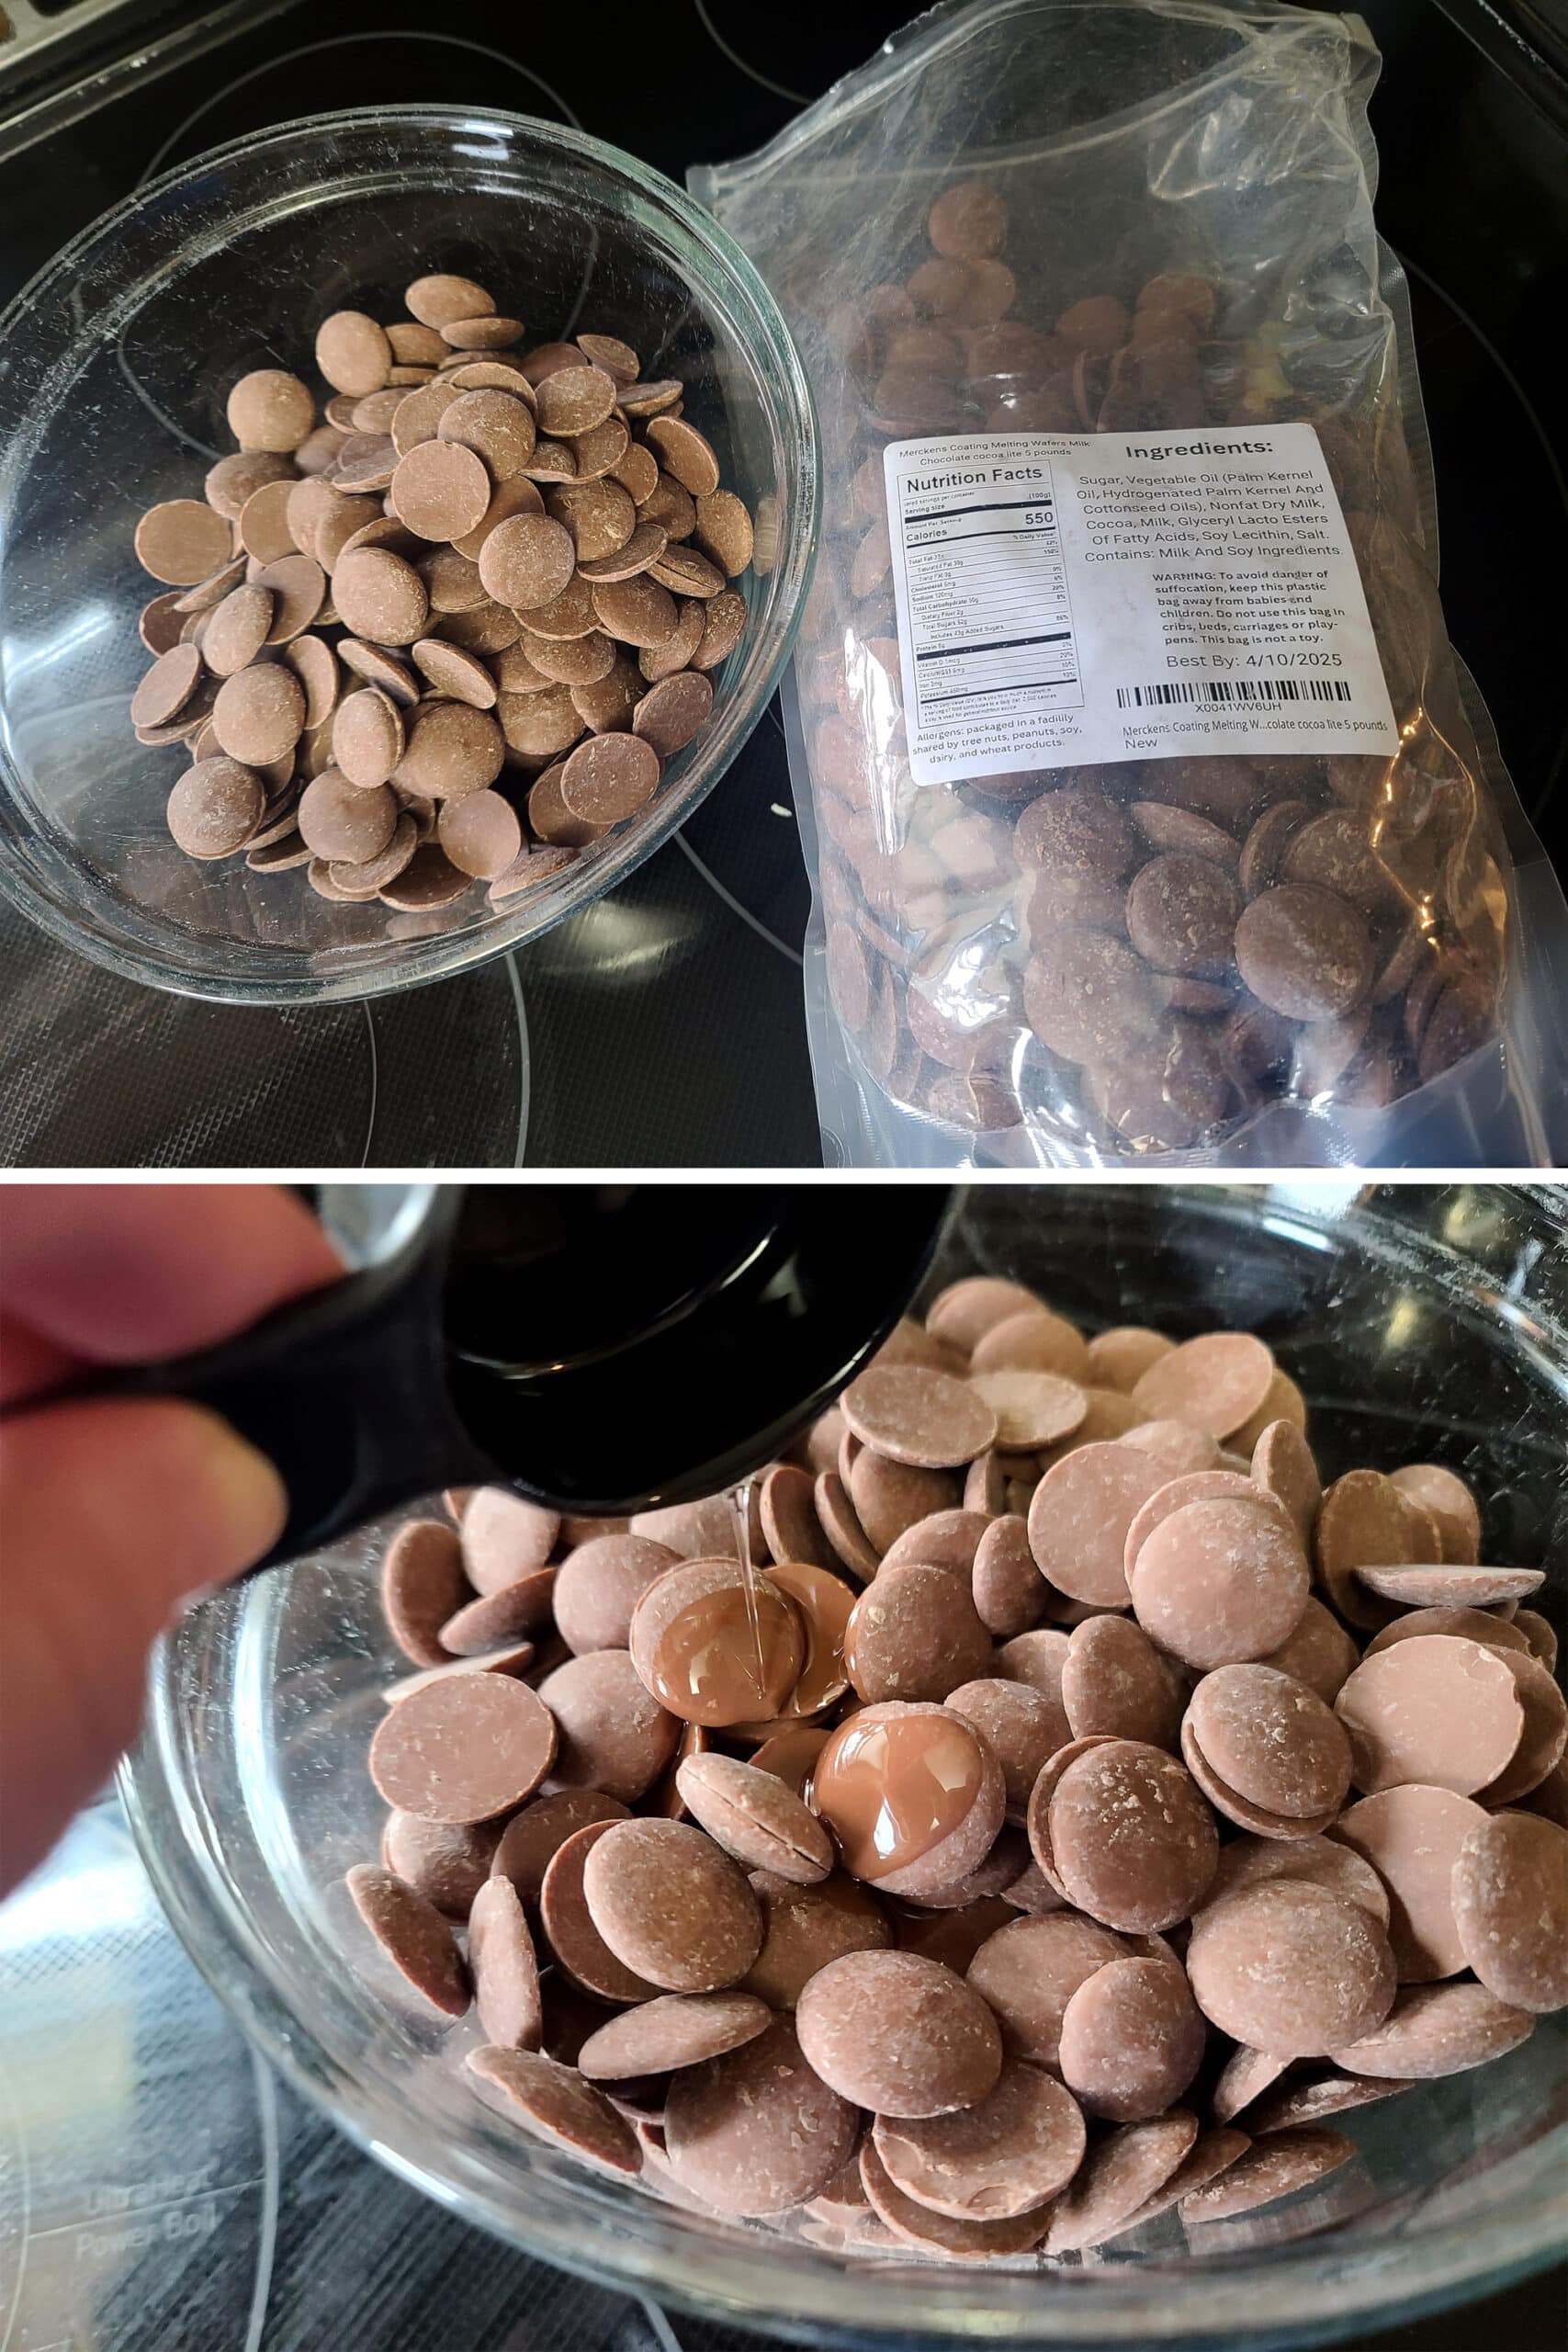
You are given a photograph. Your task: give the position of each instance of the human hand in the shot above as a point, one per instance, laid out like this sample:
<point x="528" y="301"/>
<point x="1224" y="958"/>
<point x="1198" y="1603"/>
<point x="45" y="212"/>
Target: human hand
<point x="113" y="1513"/>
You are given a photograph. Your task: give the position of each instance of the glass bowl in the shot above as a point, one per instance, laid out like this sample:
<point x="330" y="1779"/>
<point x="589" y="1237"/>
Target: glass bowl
<point x="1422" y="1323"/>
<point x="114" y="367"/>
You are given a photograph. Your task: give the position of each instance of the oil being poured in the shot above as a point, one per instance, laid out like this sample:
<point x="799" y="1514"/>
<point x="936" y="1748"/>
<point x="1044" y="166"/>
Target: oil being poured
<point x="734" y="1653"/>
<point x="740" y="1519"/>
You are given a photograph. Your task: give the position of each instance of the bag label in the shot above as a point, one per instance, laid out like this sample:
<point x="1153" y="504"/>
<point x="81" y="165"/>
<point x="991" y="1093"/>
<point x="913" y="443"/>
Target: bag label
<point x="1068" y="599"/>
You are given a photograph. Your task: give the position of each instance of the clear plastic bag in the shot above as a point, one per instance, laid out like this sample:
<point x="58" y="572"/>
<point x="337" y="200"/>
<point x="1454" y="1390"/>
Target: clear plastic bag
<point x="1151" y="216"/>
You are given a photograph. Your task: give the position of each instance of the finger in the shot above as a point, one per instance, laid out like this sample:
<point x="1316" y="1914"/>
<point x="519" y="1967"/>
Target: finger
<point x="28" y="1363"/>
<point x="113" y="1513"/>
<point x="118" y="1274"/>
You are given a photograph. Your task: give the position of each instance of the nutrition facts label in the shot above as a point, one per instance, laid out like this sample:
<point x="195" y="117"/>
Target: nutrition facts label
<point x="1069" y="599"/>
<point x="989" y="616"/>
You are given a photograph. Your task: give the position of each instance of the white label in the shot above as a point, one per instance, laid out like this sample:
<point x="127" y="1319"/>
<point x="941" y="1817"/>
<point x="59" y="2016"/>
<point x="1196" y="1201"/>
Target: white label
<point x="1066" y="599"/>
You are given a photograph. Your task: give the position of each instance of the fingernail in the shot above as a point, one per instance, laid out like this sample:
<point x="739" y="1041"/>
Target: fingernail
<point x="248" y="1498"/>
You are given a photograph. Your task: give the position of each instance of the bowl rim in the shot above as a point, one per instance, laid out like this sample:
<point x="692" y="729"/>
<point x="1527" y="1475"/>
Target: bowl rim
<point x="417" y="962"/>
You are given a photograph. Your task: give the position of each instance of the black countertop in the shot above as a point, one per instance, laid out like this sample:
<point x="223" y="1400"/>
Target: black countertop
<point x="663" y="1026"/>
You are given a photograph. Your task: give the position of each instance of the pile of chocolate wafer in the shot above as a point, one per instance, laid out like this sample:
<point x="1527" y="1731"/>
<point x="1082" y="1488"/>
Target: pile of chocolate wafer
<point x="1077" y="1815"/>
<point x="1164" y="944"/>
<point x="452" y="628"/>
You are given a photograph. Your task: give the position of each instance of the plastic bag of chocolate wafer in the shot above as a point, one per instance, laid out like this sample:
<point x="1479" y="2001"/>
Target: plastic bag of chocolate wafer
<point x="1149" y="812"/>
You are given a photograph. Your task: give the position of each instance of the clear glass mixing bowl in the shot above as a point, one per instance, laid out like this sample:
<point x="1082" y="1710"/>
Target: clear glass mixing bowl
<point x="114" y="367"/>
<point x="1423" y="1323"/>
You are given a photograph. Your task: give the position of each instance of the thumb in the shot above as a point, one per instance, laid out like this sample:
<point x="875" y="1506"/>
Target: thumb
<point x="110" y="1515"/>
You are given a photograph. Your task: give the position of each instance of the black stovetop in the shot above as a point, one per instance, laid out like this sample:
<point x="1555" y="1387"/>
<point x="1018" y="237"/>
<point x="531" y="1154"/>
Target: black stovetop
<point x="663" y="1026"/>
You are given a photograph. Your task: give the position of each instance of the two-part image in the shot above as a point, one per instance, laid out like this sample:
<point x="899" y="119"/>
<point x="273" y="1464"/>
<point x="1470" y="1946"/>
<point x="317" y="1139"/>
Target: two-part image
<point x="784" y="1278"/>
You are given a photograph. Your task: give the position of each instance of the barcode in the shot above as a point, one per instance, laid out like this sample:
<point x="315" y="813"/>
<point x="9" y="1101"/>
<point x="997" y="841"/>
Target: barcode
<point x="1234" y="690"/>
